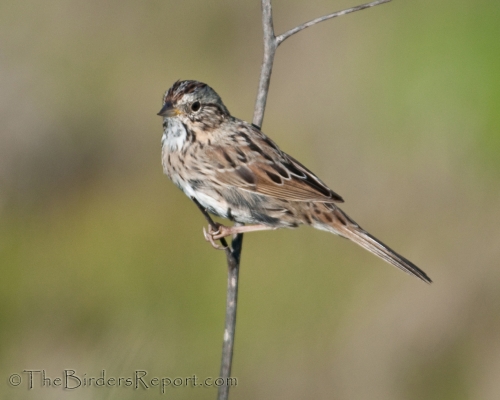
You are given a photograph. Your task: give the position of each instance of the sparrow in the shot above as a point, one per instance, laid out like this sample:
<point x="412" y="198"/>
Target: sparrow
<point x="233" y="170"/>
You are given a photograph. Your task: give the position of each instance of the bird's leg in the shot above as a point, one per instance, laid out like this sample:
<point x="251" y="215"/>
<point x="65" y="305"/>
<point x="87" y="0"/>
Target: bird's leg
<point x="223" y="231"/>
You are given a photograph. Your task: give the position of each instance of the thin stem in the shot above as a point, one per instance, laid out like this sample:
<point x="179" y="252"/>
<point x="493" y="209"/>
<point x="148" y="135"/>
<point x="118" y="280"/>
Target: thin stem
<point x="270" y="46"/>
<point x="293" y="31"/>
<point x="230" y="323"/>
<point x="233" y="264"/>
<point x="233" y="255"/>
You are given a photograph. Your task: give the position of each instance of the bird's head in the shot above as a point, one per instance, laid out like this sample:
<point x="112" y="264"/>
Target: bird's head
<point x="193" y="102"/>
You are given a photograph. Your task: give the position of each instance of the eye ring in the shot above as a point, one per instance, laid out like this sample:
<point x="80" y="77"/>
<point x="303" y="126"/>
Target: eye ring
<point x="196" y="106"/>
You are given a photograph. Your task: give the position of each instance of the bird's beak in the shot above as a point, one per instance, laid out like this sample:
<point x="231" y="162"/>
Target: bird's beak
<point x="168" y="110"/>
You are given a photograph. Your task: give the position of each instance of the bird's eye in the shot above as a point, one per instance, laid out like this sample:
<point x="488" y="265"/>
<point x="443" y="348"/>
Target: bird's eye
<point x="195" y="106"/>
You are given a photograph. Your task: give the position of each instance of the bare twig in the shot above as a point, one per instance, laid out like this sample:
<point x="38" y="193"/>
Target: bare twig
<point x="293" y="31"/>
<point x="233" y="266"/>
<point x="233" y="255"/>
<point x="271" y="43"/>
<point x="270" y="46"/>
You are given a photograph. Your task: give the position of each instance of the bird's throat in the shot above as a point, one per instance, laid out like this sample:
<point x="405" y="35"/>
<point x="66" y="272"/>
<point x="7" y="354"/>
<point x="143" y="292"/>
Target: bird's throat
<point x="174" y="135"/>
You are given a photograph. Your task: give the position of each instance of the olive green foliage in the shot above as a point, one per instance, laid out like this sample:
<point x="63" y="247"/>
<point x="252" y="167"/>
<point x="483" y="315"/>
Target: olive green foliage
<point x="103" y="262"/>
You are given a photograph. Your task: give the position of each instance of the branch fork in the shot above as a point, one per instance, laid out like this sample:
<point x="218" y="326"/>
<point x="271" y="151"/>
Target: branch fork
<point x="233" y="253"/>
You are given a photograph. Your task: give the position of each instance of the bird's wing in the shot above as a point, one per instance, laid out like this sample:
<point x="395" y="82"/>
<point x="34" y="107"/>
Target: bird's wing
<point x="251" y="161"/>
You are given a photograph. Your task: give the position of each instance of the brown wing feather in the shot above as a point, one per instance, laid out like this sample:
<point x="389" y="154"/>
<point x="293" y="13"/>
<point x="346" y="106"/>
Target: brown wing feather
<point x="251" y="161"/>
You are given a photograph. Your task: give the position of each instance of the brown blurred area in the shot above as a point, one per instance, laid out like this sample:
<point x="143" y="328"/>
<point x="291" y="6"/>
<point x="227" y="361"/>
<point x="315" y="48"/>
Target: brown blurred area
<point x="103" y="263"/>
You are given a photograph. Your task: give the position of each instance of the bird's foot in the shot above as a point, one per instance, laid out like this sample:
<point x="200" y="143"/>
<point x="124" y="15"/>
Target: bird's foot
<point x="211" y="235"/>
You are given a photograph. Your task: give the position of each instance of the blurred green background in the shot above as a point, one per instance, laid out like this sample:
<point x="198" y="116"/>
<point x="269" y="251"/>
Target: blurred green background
<point x="103" y="263"/>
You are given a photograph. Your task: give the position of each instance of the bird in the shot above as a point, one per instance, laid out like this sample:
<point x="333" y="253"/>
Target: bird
<point x="234" y="171"/>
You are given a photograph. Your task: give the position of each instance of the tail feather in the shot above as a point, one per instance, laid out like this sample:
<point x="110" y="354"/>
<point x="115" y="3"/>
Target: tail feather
<point x="350" y="230"/>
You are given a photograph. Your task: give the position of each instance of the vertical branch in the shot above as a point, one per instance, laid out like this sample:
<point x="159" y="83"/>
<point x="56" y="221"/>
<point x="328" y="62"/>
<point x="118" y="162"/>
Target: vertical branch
<point x="270" y="45"/>
<point x="233" y="255"/>
<point x="233" y="271"/>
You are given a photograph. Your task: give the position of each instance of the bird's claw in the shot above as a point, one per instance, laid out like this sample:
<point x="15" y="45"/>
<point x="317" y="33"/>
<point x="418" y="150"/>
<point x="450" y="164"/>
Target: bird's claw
<point x="212" y="235"/>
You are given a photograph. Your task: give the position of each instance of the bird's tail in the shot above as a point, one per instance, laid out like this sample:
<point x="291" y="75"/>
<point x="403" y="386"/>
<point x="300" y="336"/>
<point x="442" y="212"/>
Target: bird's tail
<point x="344" y="226"/>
